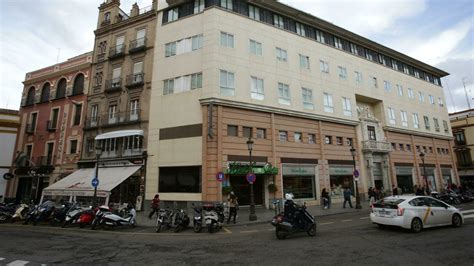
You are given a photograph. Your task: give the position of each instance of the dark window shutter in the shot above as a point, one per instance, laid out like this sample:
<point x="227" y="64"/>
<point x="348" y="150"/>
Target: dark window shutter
<point x="290" y="24"/>
<point x="329" y="38"/>
<point x="165" y="16"/>
<point x="268" y="17"/>
<point x="345" y="45"/>
<point x="311" y="32"/>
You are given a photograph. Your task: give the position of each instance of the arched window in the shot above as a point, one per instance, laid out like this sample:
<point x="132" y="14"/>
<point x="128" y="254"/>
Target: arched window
<point x="45" y="93"/>
<point x="61" y="89"/>
<point x="78" y="87"/>
<point x="30" y="99"/>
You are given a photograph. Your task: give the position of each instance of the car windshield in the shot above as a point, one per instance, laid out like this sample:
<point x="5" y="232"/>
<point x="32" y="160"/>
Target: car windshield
<point x="391" y="203"/>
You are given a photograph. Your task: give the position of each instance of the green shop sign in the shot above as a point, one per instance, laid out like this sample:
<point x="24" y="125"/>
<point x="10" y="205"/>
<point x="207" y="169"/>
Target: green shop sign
<point x="243" y="169"/>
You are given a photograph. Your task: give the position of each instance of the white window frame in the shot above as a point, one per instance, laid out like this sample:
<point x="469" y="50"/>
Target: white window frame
<point x="387" y="86"/>
<point x="300" y="30"/>
<point x="421" y="97"/>
<point x="134" y="108"/>
<point x="278" y="21"/>
<point x="342" y="72"/>
<point x="328" y="103"/>
<point x="320" y="36"/>
<point x="358" y="77"/>
<point x="168" y="86"/>
<point x="227" y="4"/>
<point x="284" y="94"/>
<point x="338" y="43"/>
<point x="254" y="12"/>
<point x="307" y="95"/>
<point x="199" y="6"/>
<point x="173" y="14"/>
<point x="391" y="116"/>
<point x="404" y="118"/>
<point x="227" y="83"/>
<point x="411" y="94"/>
<point x="304" y="61"/>
<point x="282" y="135"/>
<point x="282" y="54"/>
<point x="227" y="39"/>
<point x="416" y="120"/>
<point x="255" y="47"/>
<point x="257" y="88"/>
<point x="400" y="90"/>
<point x="346" y="106"/>
<point x="432" y="100"/>
<point x="324" y="66"/>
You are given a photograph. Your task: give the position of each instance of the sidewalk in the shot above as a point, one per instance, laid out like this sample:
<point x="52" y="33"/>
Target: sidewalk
<point x="263" y="215"/>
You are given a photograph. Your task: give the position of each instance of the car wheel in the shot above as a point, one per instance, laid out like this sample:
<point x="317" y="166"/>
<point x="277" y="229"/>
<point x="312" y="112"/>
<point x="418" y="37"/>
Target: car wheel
<point x="416" y="225"/>
<point x="457" y="221"/>
<point x="312" y="230"/>
<point x="280" y="233"/>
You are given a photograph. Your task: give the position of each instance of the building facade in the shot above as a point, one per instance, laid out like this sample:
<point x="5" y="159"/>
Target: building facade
<point x="118" y="102"/>
<point x="463" y="131"/>
<point x="9" y="125"/>
<point x="49" y="141"/>
<point x="304" y="90"/>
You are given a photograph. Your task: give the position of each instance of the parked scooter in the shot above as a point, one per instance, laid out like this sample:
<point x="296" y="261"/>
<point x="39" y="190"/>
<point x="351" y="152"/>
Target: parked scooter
<point x="6" y="212"/>
<point x="86" y="217"/>
<point x="127" y="217"/>
<point x="40" y="212"/>
<point x="448" y="197"/>
<point x="213" y="217"/>
<point x="59" y="214"/>
<point x="197" y="220"/>
<point x="100" y="212"/>
<point x="300" y="221"/>
<point x="72" y="215"/>
<point x="20" y="213"/>
<point x="165" y="218"/>
<point x="181" y="220"/>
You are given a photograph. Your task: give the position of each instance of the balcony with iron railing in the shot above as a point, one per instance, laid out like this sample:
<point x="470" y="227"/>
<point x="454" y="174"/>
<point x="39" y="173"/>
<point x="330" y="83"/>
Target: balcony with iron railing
<point x="137" y="45"/>
<point x="135" y="80"/>
<point x="121" y="118"/>
<point x="117" y="51"/>
<point x="376" y="146"/>
<point x="30" y="128"/>
<point x="51" y="125"/>
<point x="91" y="123"/>
<point x="113" y="85"/>
<point x="47" y="160"/>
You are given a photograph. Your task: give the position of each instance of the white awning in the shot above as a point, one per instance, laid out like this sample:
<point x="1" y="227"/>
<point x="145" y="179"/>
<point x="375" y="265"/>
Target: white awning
<point x="79" y="183"/>
<point x="119" y="133"/>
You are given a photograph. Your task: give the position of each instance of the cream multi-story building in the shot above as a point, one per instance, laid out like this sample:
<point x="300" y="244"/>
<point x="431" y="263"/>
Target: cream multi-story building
<point x="463" y="130"/>
<point x="9" y="125"/>
<point x="303" y="89"/>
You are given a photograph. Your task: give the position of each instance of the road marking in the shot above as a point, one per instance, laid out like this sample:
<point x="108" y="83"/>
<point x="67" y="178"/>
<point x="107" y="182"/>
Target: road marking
<point x="2" y="258"/>
<point x="18" y="263"/>
<point x="469" y="216"/>
<point x="326" y="223"/>
<point x="249" y="231"/>
<point x="345" y="221"/>
<point x="467" y="211"/>
<point x="363" y="218"/>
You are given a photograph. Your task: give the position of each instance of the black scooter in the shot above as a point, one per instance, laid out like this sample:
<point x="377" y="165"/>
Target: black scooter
<point x="302" y="221"/>
<point x="197" y="220"/>
<point x="40" y="212"/>
<point x="181" y="220"/>
<point x="59" y="214"/>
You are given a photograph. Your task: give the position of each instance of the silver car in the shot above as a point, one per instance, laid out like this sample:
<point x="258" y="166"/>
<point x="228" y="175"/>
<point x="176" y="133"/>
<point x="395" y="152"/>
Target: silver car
<point x="414" y="212"/>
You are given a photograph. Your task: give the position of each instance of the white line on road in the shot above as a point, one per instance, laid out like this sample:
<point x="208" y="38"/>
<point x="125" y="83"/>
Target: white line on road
<point x="470" y="216"/>
<point x="2" y="258"/>
<point x="18" y="263"/>
<point x="363" y="218"/>
<point x="345" y="221"/>
<point x="326" y="223"/>
<point x="249" y="231"/>
<point x="467" y="211"/>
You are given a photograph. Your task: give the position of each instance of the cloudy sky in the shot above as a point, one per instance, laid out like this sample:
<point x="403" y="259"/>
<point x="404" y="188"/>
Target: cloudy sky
<point x="36" y="33"/>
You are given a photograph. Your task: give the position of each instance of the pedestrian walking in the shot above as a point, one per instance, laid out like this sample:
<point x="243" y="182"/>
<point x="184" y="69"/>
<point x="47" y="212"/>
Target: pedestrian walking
<point x="325" y="198"/>
<point x="155" y="206"/>
<point x="234" y="206"/>
<point x="371" y="194"/>
<point x="347" y="197"/>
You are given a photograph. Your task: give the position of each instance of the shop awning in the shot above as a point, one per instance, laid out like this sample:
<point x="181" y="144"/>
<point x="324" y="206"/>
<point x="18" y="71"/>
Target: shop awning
<point x="79" y="182"/>
<point x="120" y="133"/>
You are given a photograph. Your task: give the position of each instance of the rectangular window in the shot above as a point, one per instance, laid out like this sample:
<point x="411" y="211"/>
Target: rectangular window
<point x="408" y="147"/>
<point x="346" y="106"/>
<point x="368" y="54"/>
<point x="227" y="4"/>
<point x="337" y="43"/>
<point x="77" y="114"/>
<point x="196" y="42"/>
<point x="73" y="147"/>
<point x="198" y="6"/>
<point x="307" y="98"/>
<point x="374" y="82"/>
<point x="278" y="21"/>
<point x="55" y="116"/>
<point x="358" y="77"/>
<point x="255" y="47"/>
<point x="173" y="14"/>
<point x="32" y="126"/>
<point x="416" y="121"/>
<point x="282" y="55"/>
<point x="328" y="105"/>
<point x="112" y="115"/>
<point x="227" y="83"/>
<point x="440" y="102"/>
<point x="168" y="87"/>
<point x="261" y="133"/>
<point x="283" y="94"/>
<point x="353" y="48"/>
<point x="320" y="36"/>
<point x="170" y="49"/>
<point x="404" y="118"/>
<point x="257" y="88"/>
<point x="254" y="12"/>
<point x="134" y="109"/>
<point x="182" y="179"/>
<point x="394" y="146"/>
<point x="283" y="135"/>
<point x="411" y="95"/>
<point x="387" y="86"/>
<point x="349" y="142"/>
<point x="328" y="139"/>
<point x="371" y="133"/>
<point x="427" y="122"/>
<point x="196" y="81"/>
<point x="304" y="61"/>
<point x="297" y="136"/>
<point x="405" y="69"/>
<point x="300" y="29"/>
<point x="432" y="101"/>
<point x="417" y="73"/>
<point x="339" y="141"/>
<point x="232" y="130"/>
<point x="445" y="126"/>
<point x="247" y="132"/>
<point x="312" y="138"/>
<point x="436" y="124"/>
<point x="400" y="90"/>
<point x="421" y="97"/>
<point x="391" y="116"/>
<point x="342" y="72"/>
<point x="324" y="66"/>
<point x="227" y="40"/>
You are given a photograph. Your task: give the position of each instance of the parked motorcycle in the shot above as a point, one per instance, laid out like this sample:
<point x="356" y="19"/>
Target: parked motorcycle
<point x="86" y="217"/>
<point x="213" y="217"/>
<point x="72" y="215"/>
<point x="127" y="217"/>
<point x="40" y="212"/>
<point x="165" y="218"/>
<point x="197" y="220"/>
<point x="59" y="214"/>
<point x="181" y="220"/>
<point x="20" y="213"/>
<point x="6" y="212"/>
<point x="100" y="212"/>
<point x="303" y="221"/>
<point x="448" y="197"/>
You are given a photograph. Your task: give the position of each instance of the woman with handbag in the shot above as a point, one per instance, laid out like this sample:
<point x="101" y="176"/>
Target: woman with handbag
<point x="233" y="204"/>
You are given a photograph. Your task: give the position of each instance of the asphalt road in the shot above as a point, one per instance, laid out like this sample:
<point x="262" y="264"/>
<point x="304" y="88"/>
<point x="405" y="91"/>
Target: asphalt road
<point x="347" y="239"/>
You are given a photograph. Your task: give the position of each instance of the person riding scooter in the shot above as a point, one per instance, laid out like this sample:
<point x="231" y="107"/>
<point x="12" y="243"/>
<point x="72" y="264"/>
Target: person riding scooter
<point x="293" y="212"/>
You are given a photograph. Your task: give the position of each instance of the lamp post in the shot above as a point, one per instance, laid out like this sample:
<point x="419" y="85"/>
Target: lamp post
<point x="353" y="153"/>
<point x="422" y="157"/>
<point x="252" y="216"/>
<point x="98" y="151"/>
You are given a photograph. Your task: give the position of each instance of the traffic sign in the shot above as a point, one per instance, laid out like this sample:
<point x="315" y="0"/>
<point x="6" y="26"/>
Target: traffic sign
<point x="220" y="176"/>
<point x="356" y="173"/>
<point x="251" y="177"/>
<point x="95" y="182"/>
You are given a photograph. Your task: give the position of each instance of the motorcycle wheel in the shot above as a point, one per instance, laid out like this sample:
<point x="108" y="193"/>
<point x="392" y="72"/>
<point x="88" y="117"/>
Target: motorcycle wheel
<point x="280" y="233"/>
<point x="312" y="230"/>
<point x="197" y="227"/>
<point x="158" y="227"/>
<point x="210" y="228"/>
<point x="64" y="224"/>
<point x="134" y="223"/>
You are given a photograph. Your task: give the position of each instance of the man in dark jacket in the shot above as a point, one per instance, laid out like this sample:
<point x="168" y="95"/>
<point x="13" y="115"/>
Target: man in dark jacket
<point x="347" y="197"/>
<point x="155" y="206"/>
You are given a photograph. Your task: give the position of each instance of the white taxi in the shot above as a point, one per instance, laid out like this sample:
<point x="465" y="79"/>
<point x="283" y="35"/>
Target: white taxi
<point x="414" y="212"/>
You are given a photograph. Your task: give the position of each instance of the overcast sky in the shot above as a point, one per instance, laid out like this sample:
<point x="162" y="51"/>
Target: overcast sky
<point x="36" y="33"/>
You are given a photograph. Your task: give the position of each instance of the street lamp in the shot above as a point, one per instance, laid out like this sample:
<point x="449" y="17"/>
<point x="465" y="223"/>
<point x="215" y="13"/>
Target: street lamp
<point x="252" y="216"/>
<point x="353" y="153"/>
<point x="422" y="157"/>
<point x="98" y="151"/>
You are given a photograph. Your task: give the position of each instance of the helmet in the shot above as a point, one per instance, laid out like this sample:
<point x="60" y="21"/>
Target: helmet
<point x="289" y="196"/>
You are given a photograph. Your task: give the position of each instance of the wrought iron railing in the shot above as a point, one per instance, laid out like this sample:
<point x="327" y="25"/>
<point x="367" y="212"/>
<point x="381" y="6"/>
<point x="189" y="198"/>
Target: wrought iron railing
<point x="373" y="145"/>
<point x="113" y="85"/>
<point x="137" y="45"/>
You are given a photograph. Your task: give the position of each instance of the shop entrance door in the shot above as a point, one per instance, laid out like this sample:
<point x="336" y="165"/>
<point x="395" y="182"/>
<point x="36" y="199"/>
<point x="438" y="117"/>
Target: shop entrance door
<point x="242" y="189"/>
<point x="405" y="183"/>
